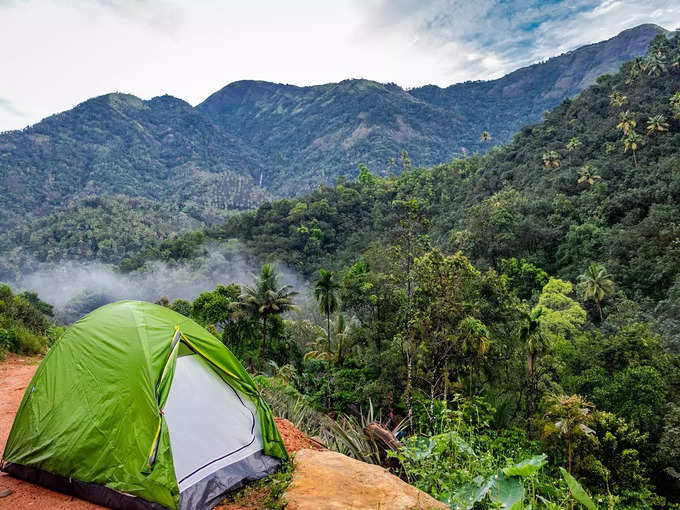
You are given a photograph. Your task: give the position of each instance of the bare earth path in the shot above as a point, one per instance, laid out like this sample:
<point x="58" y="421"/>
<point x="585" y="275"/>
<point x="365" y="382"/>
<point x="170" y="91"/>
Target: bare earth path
<point x="15" y="374"/>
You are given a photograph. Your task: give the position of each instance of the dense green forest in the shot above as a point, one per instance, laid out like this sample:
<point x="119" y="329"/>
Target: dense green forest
<point x="566" y="192"/>
<point x="316" y="134"/>
<point x="118" y="144"/>
<point x="513" y="317"/>
<point x="253" y="139"/>
<point x="504" y="306"/>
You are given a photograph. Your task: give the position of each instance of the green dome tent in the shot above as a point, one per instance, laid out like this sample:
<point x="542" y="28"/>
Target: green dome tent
<point x="138" y="407"/>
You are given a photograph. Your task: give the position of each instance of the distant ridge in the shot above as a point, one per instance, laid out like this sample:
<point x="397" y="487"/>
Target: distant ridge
<point x="211" y="159"/>
<point x="317" y="133"/>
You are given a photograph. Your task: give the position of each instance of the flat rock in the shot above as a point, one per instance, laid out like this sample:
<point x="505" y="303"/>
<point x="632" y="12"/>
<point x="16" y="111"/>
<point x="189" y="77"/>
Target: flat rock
<point x="331" y="480"/>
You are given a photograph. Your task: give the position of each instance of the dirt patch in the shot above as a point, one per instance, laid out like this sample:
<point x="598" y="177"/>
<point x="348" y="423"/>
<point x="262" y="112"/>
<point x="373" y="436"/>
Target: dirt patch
<point x="293" y="438"/>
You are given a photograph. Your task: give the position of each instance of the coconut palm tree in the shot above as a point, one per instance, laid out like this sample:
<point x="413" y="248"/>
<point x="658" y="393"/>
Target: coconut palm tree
<point x="574" y="144"/>
<point x="342" y="330"/>
<point x="535" y="343"/>
<point x="675" y="99"/>
<point x="675" y="105"/>
<point x="551" y="159"/>
<point x="617" y="99"/>
<point x="656" y="124"/>
<point x="655" y="64"/>
<point x="474" y="341"/>
<point x="634" y="142"/>
<point x="325" y="292"/>
<point x="598" y="285"/>
<point x="628" y="121"/>
<point x="265" y="298"/>
<point x="567" y="417"/>
<point x="675" y="63"/>
<point x="588" y="175"/>
<point x="486" y="136"/>
<point x="637" y="67"/>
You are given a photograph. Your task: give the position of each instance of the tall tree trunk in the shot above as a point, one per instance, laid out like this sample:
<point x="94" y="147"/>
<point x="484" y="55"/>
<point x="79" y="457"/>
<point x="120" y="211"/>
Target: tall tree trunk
<point x="431" y="414"/>
<point x="409" y="397"/>
<point x="263" y="350"/>
<point x="569" y="451"/>
<point x="531" y="392"/>
<point x="328" y="330"/>
<point x="599" y="309"/>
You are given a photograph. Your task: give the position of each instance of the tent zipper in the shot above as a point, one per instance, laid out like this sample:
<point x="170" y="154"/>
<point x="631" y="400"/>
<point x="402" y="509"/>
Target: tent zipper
<point x="157" y="438"/>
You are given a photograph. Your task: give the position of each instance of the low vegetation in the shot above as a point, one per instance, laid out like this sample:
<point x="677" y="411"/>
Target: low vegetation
<point x="25" y="325"/>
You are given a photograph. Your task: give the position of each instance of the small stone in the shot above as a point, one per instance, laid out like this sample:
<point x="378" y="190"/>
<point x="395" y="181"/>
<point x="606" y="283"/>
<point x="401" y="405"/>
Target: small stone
<point x="5" y="493"/>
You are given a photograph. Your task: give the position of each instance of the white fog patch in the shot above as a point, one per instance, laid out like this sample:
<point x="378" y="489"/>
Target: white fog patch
<point x="77" y="287"/>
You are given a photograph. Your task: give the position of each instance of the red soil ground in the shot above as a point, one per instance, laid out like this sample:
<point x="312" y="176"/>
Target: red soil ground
<point x="15" y="374"/>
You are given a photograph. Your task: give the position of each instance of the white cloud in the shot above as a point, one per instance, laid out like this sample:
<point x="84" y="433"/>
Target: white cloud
<point x="9" y="109"/>
<point x="63" y="52"/>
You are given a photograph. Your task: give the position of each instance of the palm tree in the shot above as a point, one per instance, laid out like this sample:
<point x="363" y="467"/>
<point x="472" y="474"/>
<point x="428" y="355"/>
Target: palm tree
<point x="675" y="99"/>
<point x="617" y="99"/>
<point x="319" y="355"/>
<point x="566" y="417"/>
<point x="656" y="64"/>
<point x="676" y="61"/>
<point x="286" y="373"/>
<point x="574" y="144"/>
<point x="535" y="342"/>
<point x="598" y="285"/>
<point x="675" y="105"/>
<point x="266" y="298"/>
<point x="628" y="121"/>
<point x="634" y="142"/>
<point x="637" y="68"/>
<point x="551" y="159"/>
<point x="405" y="161"/>
<point x="486" y="136"/>
<point x="474" y="341"/>
<point x="342" y="330"/>
<point x="656" y="124"/>
<point x="588" y="175"/>
<point x="325" y="292"/>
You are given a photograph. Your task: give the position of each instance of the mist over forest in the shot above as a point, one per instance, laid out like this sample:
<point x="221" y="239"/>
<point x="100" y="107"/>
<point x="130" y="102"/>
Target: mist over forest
<point x="76" y="287"/>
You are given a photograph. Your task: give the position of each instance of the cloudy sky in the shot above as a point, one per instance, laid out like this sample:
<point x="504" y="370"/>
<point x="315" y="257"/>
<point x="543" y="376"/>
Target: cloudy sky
<point x="57" y="53"/>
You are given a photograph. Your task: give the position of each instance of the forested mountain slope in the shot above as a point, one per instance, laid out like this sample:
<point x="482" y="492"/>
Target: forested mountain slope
<point x="597" y="181"/>
<point x="211" y="159"/>
<point x="314" y="134"/>
<point x="509" y="103"/>
<point x="119" y="144"/>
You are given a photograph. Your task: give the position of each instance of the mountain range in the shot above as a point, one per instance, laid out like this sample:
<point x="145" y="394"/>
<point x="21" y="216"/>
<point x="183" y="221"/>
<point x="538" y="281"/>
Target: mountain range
<point x="253" y="140"/>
